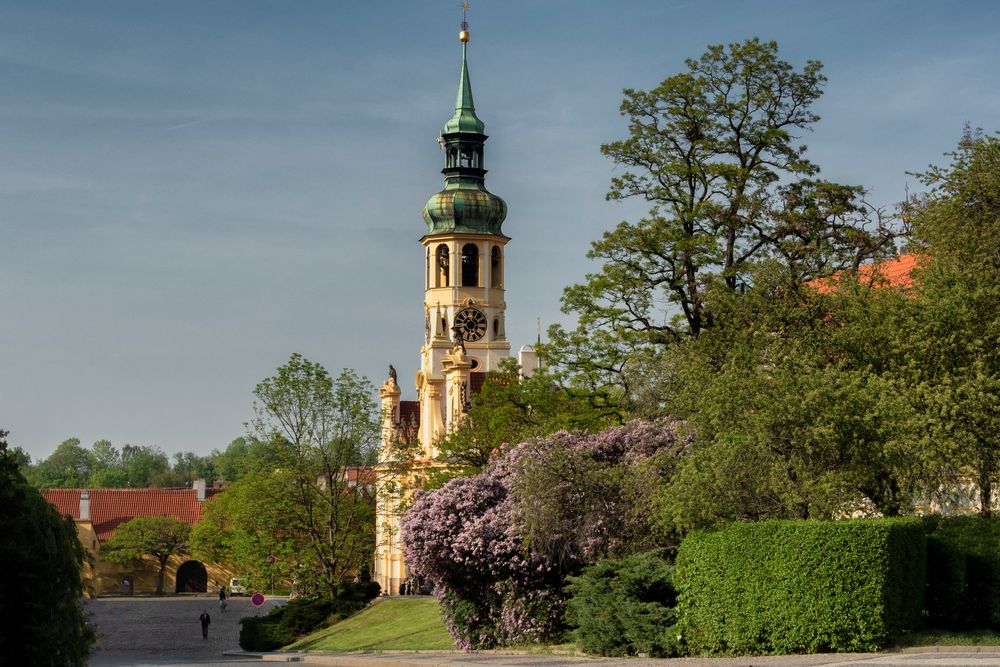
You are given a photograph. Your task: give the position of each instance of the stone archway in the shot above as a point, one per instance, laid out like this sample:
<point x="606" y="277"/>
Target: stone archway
<point x="192" y="578"/>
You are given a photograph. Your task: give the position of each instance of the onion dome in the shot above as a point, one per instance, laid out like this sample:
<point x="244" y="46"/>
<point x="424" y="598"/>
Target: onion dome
<point x="464" y="205"/>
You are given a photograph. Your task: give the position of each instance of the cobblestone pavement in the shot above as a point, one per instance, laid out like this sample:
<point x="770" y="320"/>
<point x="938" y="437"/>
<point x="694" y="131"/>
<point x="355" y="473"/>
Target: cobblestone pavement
<point x="165" y="632"/>
<point x="140" y="631"/>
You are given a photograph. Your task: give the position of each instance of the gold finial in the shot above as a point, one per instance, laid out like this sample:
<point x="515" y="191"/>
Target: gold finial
<point x="463" y="36"/>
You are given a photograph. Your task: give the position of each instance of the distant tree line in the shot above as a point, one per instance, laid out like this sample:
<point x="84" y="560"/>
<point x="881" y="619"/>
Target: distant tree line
<point x="102" y="465"/>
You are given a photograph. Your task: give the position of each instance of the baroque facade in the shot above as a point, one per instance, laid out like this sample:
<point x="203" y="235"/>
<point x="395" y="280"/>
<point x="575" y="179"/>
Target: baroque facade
<point x="464" y="333"/>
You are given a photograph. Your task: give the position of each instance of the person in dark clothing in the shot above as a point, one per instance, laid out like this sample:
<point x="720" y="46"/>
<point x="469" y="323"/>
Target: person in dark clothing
<point x="222" y="593"/>
<point x="205" y="620"/>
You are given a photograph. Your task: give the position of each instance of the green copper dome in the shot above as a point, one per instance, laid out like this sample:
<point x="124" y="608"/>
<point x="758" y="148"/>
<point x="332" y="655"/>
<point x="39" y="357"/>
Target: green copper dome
<point x="465" y="210"/>
<point x="464" y="205"/>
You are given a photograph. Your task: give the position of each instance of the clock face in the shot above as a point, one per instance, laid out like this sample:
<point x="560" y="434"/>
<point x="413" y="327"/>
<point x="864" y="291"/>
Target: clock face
<point x="471" y="323"/>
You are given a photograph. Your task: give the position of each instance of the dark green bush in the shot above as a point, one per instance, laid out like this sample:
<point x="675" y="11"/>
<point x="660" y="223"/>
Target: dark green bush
<point x="801" y="586"/>
<point x="625" y="607"/>
<point x="284" y="625"/>
<point x="258" y="633"/>
<point x="963" y="572"/>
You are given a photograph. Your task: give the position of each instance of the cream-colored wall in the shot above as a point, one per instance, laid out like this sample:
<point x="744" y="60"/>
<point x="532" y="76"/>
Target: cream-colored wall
<point x="104" y="577"/>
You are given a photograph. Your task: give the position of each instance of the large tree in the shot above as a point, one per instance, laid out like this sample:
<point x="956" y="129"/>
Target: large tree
<point x="714" y="150"/>
<point x="154" y="537"/>
<point x="953" y="354"/>
<point x="69" y="466"/>
<point x="321" y="438"/>
<point x="793" y="413"/>
<point x="41" y="558"/>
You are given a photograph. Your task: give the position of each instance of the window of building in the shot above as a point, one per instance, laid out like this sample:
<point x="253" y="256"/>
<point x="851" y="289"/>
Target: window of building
<point x="496" y="268"/>
<point x="470" y="265"/>
<point x="443" y="266"/>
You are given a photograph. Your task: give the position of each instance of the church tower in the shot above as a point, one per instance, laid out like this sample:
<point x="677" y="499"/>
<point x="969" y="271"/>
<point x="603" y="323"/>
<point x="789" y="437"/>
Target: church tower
<point x="464" y="308"/>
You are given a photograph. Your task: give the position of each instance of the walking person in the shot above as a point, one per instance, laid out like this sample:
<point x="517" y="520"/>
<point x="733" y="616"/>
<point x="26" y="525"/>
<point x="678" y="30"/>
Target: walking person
<point x="222" y="598"/>
<point x="205" y="620"/>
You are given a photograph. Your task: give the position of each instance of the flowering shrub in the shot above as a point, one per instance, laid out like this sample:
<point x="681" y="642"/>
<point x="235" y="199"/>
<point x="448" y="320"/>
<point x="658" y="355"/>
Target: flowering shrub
<point x="498" y="546"/>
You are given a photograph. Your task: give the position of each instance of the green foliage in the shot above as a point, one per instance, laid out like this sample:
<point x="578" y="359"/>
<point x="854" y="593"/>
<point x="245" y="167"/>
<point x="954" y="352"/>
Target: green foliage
<point x="801" y="586"/>
<point x="951" y="358"/>
<point x="285" y="624"/>
<point x="510" y="409"/>
<point x="156" y="537"/>
<point x="310" y="479"/>
<point x="69" y="466"/>
<point x="104" y="466"/>
<point x="40" y="590"/>
<point x="625" y="607"/>
<point x="793" y="412"/>
<point x="963" y="572"/>
<point x="238" y="527"/>
<point x="714" y="151"/>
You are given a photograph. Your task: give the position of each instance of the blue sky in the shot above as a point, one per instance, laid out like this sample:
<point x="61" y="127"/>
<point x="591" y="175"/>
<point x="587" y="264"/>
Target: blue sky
<point x="190" y="192"/>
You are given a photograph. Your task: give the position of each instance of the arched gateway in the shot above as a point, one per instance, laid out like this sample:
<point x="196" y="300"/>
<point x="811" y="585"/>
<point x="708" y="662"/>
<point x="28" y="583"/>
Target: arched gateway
<point x="192" y="578"/>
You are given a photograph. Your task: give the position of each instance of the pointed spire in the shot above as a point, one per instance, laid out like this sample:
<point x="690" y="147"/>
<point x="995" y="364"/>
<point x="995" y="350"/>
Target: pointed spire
<point x="463" y="101"/>
<point x="464" y="119"/>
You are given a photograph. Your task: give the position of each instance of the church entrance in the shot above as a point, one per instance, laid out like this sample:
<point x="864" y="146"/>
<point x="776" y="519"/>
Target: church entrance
<point x="192" y="578"/>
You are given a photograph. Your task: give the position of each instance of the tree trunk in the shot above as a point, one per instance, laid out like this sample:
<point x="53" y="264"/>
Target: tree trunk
<point x="159" y="575"/>
<point x="985" y="496"/>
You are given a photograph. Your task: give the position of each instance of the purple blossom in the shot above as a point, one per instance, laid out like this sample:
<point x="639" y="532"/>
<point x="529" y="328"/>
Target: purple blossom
<point x="468" y="537"/>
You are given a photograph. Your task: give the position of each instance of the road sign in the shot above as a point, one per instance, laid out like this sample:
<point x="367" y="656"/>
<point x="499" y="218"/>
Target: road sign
<point x="257" y="599"/>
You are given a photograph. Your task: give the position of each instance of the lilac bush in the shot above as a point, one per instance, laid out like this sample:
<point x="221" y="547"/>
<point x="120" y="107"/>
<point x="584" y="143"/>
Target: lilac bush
<point x="498" y="546"/>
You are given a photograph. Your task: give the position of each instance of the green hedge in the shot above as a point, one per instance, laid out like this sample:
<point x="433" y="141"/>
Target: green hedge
<point x="963" y="572"/>
<point x="801" y="586"/>
<point x="625" y="607"/>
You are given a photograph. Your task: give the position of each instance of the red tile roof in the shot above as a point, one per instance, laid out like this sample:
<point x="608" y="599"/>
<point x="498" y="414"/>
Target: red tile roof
<point x="894" y="272"/>
<point x="111" y="507"/>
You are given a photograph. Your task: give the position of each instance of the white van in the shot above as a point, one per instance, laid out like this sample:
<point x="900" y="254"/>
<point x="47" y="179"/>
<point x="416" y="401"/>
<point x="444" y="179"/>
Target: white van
<point x="237" y="587"/>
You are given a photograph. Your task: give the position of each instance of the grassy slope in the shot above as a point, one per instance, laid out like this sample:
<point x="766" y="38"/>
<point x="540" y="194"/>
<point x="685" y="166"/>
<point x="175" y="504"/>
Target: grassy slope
<point x="392" y="624"/>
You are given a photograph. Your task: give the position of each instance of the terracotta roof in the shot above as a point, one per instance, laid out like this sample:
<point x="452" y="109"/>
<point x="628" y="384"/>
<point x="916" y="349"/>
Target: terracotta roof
<point x="111" y="507"/>
<point x="895" y="272"/>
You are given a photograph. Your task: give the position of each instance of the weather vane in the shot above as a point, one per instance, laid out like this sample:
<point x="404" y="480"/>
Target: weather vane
<point x="464" y="35"/>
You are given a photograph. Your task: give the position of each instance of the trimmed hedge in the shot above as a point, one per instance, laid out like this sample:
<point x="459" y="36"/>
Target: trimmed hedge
<point x="801" y="586"/>
<point x="625" y="607"/>
<point x="963" y="572"/>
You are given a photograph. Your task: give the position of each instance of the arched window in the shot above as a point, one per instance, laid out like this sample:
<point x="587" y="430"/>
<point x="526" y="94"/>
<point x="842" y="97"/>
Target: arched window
<point x="470" y="265"/>
<point x="443" y="266"/>
<point x="496" y="270"/>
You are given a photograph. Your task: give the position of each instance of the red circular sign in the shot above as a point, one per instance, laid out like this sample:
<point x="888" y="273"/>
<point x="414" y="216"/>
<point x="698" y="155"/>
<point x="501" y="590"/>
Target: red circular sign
<point x="257" y="599"/>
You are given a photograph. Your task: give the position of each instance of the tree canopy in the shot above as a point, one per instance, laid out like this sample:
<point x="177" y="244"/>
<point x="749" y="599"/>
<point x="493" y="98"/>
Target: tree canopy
<point x="41" y="558"/>
<point x="155" y="537"/>
<point x="306" y="489"/>
<point x="715" y="152"/>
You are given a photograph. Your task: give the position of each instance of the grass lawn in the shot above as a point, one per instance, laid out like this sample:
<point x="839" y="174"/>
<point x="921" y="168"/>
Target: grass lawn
<point x="949" y="638"/>
<point x="394" y="624"/>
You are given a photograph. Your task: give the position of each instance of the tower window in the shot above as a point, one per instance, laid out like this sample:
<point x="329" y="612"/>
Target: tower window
<point x="496" y="270"/>
<point x="443" y="266"/>
<point x="470" y="265"/>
